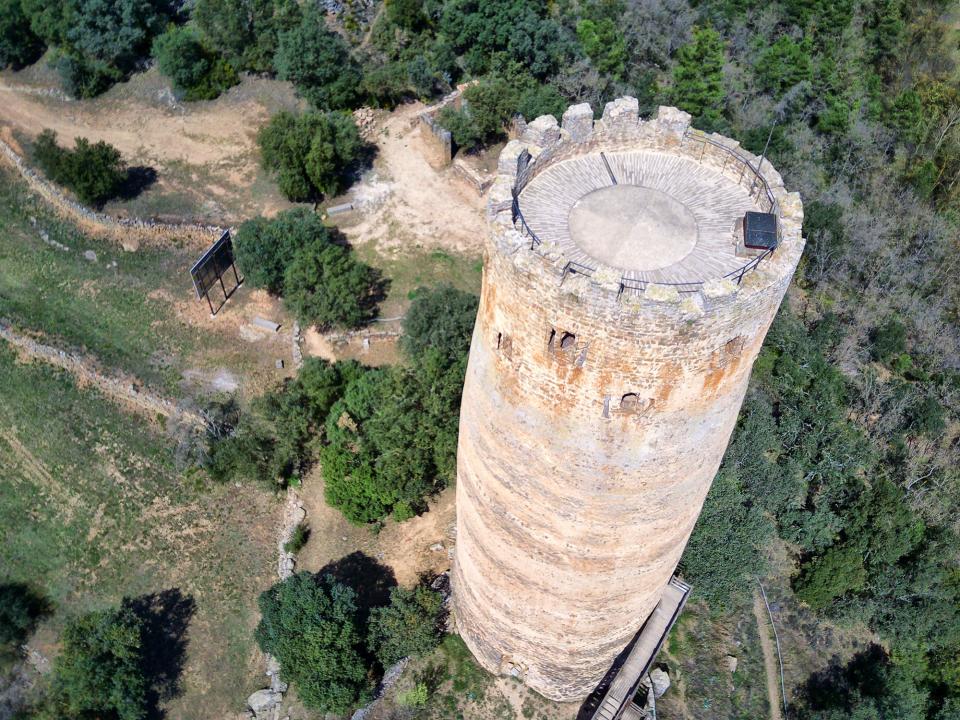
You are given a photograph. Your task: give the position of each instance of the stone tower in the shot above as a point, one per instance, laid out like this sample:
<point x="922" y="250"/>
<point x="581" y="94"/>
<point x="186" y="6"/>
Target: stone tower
<point x="620" y="316"/>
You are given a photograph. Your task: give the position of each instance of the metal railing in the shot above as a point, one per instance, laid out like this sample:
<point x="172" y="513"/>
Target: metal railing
<point x="526" y="168"/>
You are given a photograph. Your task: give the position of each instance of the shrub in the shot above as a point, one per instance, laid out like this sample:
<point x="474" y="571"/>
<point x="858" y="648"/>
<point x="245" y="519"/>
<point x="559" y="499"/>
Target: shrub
<point x="324" y="285"/>
<point x="311" y="154"/>
<point x="98" y="671"/>
<point x="246" y="32"/>
<point x="95" y="172"/>
<point x="298" y="539"/>
<point x="441" y="318"/>
<point x="19" y="45"/>
<point x="196" y="73"/>
<point x="415" y="697"/>
<point x="889" y="340"/>
<point x="309" y="624"/>
<point x="838" y="571"/>
<point x="409" y="625"/>
<point x="264" y="248"/>
<point x="317" y="61"/>
<point x="20" y="608"/>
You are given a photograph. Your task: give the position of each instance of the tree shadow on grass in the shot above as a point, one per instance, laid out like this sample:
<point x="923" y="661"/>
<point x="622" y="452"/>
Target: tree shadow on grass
<point x="369" y="579"/>
<point x="166" y="616"/>
<point x="139" y="178"/>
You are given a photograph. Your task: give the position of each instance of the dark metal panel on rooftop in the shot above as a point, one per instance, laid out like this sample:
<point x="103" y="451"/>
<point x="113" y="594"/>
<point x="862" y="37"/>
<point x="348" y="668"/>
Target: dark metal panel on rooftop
<point x="760" y="231"/>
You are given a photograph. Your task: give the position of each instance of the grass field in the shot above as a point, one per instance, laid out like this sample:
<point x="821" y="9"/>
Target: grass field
<point x="91" y="511"/>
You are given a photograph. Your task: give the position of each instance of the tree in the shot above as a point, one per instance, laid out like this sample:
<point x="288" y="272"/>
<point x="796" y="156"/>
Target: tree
<point x="309" y="624"/>
<point x="311" y="154"/>
<point x="246" y="32"/>
<point x="195" y="72"/>
<point x="19" y="44"/>
<point x="409" y="625"/>
<point x="604" y="44"/>
<point x="318" y="62"/>
<point x="95" y="172"/>
<point x="783" y="64"/>
<point x="441" y="318"/>
<point x="98" y="671"/>
<point x="264" y="248"/>
<point x="698" y="76"/>
<point x="324" y="285"/>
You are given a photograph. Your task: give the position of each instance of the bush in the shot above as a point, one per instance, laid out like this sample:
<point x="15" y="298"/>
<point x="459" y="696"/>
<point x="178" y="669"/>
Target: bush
<point x="264" y="248"/>
<point x="409" y="625"/>
<point x="19" y="45"/>
<point x="309" y="624"/>
<point x="20" y="609"/>
<point x="889" y="340"/>
<point x="95" y="172"/>
<point x="838" y="571"/>
<point x="317" y="61"/>
<point x="298" y="539"/>
<point x="98" y="671"/>
<point x="245" y="32"/>
<point x="312" y="154"/>
<point x="441" y="318"/>
<point x="196" y="73"/>
<point x="326" y="286"/>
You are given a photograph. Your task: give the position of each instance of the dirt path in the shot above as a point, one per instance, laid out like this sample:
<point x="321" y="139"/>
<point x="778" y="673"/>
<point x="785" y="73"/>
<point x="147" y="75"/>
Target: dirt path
<point x="409" y="203"/>
<point x="769" y="656"/>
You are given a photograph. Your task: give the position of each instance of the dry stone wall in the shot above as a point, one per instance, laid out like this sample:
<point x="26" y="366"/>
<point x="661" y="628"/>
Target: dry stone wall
<point x="130" y="233"/>
<point x="592" y="422"/>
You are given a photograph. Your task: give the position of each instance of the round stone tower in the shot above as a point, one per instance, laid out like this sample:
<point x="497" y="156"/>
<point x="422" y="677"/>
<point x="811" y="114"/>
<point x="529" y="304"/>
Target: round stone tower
<point x="630" y="274"/>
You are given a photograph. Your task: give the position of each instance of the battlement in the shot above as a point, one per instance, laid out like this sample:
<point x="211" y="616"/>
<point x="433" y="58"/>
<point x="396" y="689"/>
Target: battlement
<point x="640" y="211"/>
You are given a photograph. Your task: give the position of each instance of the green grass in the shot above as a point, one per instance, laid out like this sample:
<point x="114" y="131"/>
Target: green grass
<point x="90" y="305"/>
<point x="410" y="269"/>
<point x="92" y="511"/>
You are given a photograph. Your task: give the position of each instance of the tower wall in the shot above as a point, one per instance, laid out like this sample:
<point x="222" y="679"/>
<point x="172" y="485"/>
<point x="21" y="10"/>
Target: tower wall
<point x="591" y="428"/>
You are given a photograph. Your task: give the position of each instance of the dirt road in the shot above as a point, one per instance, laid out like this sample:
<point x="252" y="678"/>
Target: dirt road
<point x="769" y="656"/>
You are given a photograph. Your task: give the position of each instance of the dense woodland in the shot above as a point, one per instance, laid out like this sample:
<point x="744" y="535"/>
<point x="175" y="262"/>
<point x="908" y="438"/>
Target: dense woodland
<point x="847" y="446"/>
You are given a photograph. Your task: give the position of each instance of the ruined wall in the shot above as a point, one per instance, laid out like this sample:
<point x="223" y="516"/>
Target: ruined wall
<point x="592" y="426"/>
<point x="130" y="233"/>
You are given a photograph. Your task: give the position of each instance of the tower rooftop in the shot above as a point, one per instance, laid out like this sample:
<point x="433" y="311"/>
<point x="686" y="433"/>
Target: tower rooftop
<point x="650" y="216"/>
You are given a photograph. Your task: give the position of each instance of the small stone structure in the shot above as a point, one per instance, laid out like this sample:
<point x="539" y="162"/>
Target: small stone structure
<point x="437" y="141"/>
<point x="617" y="328"/>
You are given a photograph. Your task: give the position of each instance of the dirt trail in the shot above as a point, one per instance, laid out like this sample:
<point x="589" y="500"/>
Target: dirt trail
<point x="769" y="656"/>
<point x="205" y="133"/>
<point x="413" y="204"/>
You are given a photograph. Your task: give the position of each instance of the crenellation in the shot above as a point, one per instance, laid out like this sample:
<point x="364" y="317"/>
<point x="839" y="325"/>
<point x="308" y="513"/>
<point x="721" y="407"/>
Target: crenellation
<point x="589" y="437"/>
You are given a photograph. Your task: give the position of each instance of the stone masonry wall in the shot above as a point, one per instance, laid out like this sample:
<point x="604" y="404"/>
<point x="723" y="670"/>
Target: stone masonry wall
<point x="591" y="425"/>
<point x="130" y="233"/>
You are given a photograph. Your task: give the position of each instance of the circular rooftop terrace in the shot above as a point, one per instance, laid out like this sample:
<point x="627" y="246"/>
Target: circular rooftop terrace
<point x="651" y="217"/>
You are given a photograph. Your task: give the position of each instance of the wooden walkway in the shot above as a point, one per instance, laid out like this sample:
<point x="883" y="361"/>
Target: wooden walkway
<point x="616" y="701"/>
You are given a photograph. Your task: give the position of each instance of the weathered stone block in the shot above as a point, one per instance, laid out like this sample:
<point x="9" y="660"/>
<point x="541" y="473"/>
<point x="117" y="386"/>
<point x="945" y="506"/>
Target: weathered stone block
<point x="577" y="121"/>
<point x="622" y="112"/>
<point x="544" y="131"/>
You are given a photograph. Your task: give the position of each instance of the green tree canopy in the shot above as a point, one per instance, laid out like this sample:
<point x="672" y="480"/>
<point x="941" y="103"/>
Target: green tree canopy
<point x="196" y="72"/>
<point x="698" y="76"/>
<point x="309" y="624"/>
<point x="246" y="32"/>
<point x="318" y="62"/>
<point x="19" y="44"/>
<point x="409" y="625"/>
<point x="441" y="318"/>
<point x="98" y="671"/>
<point x="312" y="154"/>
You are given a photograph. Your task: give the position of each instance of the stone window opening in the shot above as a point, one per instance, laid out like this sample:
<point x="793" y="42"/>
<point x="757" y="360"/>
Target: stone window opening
<point x="630" y="402"/>
<point x="499" y="339"/>
<point x="553" y="335"/>
<point x="568" y="341"/>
